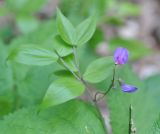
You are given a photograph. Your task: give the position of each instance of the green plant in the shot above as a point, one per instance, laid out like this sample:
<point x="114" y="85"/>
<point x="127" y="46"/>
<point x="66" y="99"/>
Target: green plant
<point x="56" y="110"/>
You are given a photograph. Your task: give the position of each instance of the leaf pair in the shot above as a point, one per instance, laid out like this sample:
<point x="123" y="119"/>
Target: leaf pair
<point x="63" y="89"/>
<point x="75" y="35"/>
<point x="59" y="91"/>
<point x="34" y="55"/>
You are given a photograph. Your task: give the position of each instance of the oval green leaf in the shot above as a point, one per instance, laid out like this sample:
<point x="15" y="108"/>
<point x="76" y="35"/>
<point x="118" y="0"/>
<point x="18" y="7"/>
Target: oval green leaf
<point x="85" y="30"/>
<point x="99" y="70"/>
<point x="33" y="55"/>
<point x="62" y="90"/>
<point x="65" y="28"/>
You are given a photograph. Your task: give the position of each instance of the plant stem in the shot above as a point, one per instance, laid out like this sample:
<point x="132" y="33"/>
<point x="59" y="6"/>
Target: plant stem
<point x="101" y="116"/>
<point x="96" y="105"/>
<point x="130" y="117"/>
<point x="110" y="87"/>
<point x="66" y="66"/>
<point x="87" y="88"/>
<point x="131" y="127"/>
<point x="80" y="78"/>
<point x="78" y="68"/>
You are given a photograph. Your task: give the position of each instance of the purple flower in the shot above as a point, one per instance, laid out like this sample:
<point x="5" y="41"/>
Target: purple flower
<point x="121" y="56"/>
<point x="128" y="88"/>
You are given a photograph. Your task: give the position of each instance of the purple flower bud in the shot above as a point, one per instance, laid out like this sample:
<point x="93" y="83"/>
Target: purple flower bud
<point x="128" y="88"/>
<point x="121" y="56"/>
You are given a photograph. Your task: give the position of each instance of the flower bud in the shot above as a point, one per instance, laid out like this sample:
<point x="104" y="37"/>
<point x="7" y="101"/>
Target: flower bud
<point x="121" y="56"/>
<point x="128" y="88"/>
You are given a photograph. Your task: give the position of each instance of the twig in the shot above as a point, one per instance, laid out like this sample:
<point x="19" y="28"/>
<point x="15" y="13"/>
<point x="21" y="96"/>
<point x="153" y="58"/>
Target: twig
<point x="80" y="75"/>
<point x="66" y="66"/>
<point x="131" y="127"/>
<point x="88" y="88"/>
<point x="110" y="87"/>
<point x="80" y="78"/>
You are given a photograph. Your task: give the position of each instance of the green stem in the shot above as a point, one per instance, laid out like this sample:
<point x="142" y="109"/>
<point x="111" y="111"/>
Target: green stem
<point x="130" y="118"/>
<point x="131" y="127"/>
<point x="96" y="105"/>
<point x="66" y="66"/>
<point x="87" y="88"/>
<point x="80" y="78"/>
<point x="110" y="87"/>
<point x="101" y="117"/>
<point x="78" y="68"/>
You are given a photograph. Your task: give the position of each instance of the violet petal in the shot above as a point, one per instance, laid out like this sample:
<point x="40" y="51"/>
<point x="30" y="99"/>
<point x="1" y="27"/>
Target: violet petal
<point x="128" y="88"/>
<point x="121" y="56"/>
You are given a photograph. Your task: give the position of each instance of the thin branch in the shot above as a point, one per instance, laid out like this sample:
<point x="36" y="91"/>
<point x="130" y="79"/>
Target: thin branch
<point x="66" y="66"/>
<point x="95" y="104"/>
<point x="80" y="78"/>
<point x="87" y="87"/>
<point x="108" y="90"/>
<point x="131" y="127"/>
<point x="78" y="68"/>
<point x="130" y="120"/>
